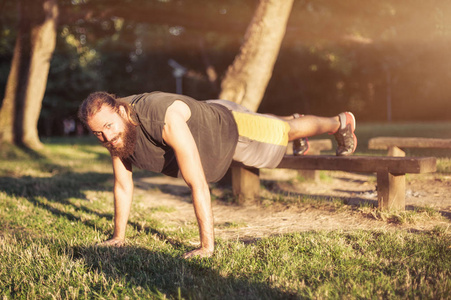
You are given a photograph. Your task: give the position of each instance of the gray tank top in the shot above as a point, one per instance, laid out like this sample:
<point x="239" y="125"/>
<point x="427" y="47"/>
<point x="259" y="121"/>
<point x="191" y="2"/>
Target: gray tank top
<point x="212" y="126"/>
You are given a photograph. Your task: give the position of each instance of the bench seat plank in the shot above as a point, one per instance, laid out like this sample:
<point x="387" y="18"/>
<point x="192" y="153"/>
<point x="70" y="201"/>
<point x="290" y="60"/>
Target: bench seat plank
<point x="408" y="142"/>
<point x="364" y="164"/>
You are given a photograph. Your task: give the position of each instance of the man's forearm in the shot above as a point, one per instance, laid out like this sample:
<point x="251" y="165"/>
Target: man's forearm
<point x="204" y="215"/>
<point x="122" y="204"/>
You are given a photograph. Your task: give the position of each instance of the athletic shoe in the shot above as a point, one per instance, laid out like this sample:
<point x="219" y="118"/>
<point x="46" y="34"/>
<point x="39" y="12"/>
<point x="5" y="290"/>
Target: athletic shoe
<point x="346" y="139"/>
<point x="300" y="146"/>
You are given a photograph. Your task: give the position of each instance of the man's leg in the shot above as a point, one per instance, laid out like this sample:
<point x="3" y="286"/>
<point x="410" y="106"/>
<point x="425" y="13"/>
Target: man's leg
<point x="342" y="126"/>
<point x="300" y="145"/>
<point x="310" y="125"/>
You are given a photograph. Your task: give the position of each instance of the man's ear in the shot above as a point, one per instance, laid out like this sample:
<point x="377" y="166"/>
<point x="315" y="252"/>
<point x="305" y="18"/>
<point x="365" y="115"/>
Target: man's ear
<point x="122" y="112"/>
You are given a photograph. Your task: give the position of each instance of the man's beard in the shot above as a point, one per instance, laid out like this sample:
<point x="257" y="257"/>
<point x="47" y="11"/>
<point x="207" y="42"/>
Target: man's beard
<point x="128" y="137"/>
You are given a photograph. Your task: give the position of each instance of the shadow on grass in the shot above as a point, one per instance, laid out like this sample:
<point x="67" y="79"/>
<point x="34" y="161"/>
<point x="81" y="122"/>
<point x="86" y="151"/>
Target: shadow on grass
<point x="357" y="199"/>
<point x="171" y="186"/>
<point x="157" y="272"/>
<point x="141" y="269"/>
<point x="60" y="189"/>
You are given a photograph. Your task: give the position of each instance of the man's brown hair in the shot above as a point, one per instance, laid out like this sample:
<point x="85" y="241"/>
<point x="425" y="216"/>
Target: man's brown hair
<point x="94" y="102"/>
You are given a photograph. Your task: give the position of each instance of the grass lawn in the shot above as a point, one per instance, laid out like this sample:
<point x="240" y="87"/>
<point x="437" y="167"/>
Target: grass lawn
<point x="56" y="205"/>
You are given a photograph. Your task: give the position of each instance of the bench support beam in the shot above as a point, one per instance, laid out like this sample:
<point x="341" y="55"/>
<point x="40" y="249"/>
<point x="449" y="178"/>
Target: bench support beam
<point x="391" y="179"/>
<point x="245" y="184"/>
<point x="391" y="191"/>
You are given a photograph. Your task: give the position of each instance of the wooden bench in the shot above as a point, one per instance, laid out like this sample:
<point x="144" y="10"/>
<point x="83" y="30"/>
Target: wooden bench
<point x="394" y="145"/>
<point x="390" y="174"/>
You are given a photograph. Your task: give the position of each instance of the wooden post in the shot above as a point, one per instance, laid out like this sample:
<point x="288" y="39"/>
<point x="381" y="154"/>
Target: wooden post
<point x="395" y="151"/>
<point x="245" y="184"/>
<point x="310" y="175"/>
<point x="391" y="191"/>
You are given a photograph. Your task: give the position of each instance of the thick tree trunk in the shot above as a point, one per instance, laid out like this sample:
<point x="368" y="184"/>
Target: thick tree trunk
<point x="7" y="111"/>
<point x="27" y="80"/>
<point x="246" y="79"/>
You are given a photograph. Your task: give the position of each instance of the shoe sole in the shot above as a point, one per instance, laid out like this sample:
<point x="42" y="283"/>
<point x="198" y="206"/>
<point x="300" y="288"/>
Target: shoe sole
<point x="353" y="130"/>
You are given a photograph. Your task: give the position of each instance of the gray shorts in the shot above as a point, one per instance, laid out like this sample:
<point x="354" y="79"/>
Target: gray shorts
<point x="262" y="140"/>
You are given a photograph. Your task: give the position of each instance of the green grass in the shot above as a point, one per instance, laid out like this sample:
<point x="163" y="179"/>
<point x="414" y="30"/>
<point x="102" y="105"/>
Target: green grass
<point x="56" y="205"/>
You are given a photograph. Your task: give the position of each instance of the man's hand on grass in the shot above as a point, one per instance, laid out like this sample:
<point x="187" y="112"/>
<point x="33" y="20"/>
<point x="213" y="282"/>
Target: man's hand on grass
<point x="201" y="252"/>
<point x="114" y="242"/>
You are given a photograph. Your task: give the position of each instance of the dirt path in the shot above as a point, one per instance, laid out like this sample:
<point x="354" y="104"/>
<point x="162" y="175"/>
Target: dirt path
<point x="268" y="218"/>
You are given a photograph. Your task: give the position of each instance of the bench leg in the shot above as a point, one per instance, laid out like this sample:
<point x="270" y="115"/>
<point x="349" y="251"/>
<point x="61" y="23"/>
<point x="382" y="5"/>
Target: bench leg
<point x="395" y="151"/>
<point x="245" y="184"/>
<point x="310" y="175"/>
<point x="391" y="191"/>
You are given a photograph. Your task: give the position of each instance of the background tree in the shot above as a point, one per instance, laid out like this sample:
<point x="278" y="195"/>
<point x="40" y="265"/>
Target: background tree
<point x="246" y="79"/>
<point x="27" y="79"/>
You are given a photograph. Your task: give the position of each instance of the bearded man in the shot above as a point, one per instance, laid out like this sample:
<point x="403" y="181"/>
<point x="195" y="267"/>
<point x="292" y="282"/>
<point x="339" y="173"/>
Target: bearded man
<point x="197" y="140"/>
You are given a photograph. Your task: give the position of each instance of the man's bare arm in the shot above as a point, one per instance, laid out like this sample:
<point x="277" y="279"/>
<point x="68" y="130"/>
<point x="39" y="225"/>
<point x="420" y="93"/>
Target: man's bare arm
<point x="177" y="135"/>
<point x="123" y="194"/>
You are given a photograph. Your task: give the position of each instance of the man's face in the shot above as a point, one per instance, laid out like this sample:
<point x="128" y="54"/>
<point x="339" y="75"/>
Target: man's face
<point x="116" y="133"/>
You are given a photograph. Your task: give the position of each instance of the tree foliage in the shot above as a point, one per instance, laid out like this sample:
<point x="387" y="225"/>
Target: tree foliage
<point x="336" y="55"/>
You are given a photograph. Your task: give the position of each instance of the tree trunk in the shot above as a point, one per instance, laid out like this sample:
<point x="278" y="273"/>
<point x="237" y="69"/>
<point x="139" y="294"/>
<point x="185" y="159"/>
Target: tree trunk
<point x="27" y="80"/>
<point x="246" y="79"/>
<point x="7" y="110"/>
